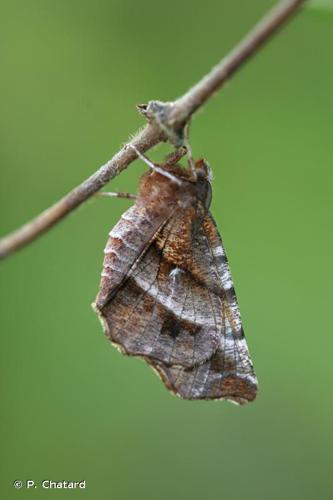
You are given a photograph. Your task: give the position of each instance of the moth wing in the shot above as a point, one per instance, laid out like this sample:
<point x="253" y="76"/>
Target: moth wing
<point x="229" y="373"/>
<point x="127" y="242"/>
<point x="224" y="376"/>
<point x="162" y="311"/>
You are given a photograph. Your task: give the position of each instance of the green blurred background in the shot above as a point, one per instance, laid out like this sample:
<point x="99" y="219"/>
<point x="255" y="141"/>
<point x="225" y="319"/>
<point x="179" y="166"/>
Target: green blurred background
<point x="71" y="406"/>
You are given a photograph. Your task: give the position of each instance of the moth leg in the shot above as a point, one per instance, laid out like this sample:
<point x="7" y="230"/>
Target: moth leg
<point x="175" y="156"/>
<point x="127" y="196"/>
<point x="156" y="168"/>
<point x="191" y="161"/>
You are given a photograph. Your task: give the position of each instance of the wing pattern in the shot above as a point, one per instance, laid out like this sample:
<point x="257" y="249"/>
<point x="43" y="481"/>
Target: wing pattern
<point x="161" y="311"/>
<point x="229" y="372"/>
<point x="177" y="309"/>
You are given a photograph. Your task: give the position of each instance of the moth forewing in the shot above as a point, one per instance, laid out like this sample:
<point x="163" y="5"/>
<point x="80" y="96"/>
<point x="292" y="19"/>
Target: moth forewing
<point x="127" y="241"/>
<point x="166" y="291"/>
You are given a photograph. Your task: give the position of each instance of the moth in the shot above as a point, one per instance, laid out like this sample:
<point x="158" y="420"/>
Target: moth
<point x="166" y="293"/>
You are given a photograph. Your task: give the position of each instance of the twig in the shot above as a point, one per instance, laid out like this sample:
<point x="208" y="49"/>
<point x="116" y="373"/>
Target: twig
<point x="167" y="121"/>
<point x="260" y="33"/>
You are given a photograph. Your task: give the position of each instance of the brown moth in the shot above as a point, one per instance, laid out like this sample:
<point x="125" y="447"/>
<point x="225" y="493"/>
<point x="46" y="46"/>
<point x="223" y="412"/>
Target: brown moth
<point x="166" y="292"/>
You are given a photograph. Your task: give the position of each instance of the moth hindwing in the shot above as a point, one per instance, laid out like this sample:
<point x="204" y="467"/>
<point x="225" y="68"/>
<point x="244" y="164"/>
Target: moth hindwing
<point x="166" y="291"/>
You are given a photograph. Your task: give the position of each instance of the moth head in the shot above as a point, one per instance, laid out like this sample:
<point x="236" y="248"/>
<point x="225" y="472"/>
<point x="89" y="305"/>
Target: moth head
<point x="203" y="182"/>
<point x="203" y="170"/>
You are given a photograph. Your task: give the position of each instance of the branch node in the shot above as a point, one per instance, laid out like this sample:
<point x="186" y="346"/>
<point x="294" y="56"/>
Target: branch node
<point x="162" y="114"/>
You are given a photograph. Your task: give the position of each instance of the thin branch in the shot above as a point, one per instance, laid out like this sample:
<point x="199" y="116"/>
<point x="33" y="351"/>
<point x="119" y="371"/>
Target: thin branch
<point x="205" y="88"/>
<point x="146" y="139"/>
<point x="166" y="122"/>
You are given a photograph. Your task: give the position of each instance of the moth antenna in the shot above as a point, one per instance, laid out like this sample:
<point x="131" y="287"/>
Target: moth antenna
<point x="128" y="196"/>
<point x="154" y="167"/>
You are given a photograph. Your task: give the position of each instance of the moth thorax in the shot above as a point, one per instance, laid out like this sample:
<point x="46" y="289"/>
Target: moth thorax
<point x="158" y="189"/>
